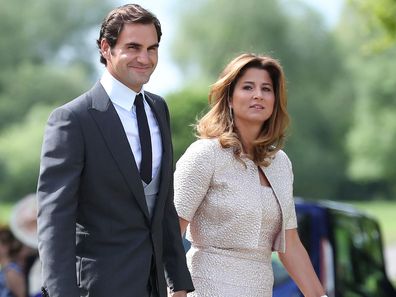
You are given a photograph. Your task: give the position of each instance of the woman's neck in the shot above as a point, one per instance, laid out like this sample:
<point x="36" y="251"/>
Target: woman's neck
<point x="248" y="135"/>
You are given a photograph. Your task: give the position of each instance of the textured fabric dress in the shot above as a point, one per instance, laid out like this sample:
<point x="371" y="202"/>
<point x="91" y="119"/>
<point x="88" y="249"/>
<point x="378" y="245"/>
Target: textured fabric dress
<point x="235" y="222"/>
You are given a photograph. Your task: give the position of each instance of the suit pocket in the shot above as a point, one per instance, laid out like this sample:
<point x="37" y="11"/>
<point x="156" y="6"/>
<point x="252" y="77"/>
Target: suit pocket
<point x="87" y="272"/>
<point x="78" y="270"/>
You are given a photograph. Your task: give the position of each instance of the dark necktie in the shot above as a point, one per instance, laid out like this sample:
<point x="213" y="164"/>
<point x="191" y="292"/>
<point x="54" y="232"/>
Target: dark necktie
<point x="145" y="140"/>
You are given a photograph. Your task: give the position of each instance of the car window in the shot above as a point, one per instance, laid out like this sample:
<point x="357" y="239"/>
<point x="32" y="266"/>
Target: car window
<point x="358" y="256"/>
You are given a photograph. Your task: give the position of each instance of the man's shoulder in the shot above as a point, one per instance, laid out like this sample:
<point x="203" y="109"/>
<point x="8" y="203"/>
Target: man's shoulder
<point x="79" y="107"/>
<point x="153" y="96"/>
<point x="84" y="100"/>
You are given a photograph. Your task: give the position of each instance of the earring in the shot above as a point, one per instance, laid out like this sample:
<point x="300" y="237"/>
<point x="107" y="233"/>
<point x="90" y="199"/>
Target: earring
<point x="230" y="111"/>
<point x="231" y="117"/>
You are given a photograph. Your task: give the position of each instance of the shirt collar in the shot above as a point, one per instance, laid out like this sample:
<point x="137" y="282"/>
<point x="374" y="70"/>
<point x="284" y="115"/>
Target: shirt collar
<point x="118" y="93"/>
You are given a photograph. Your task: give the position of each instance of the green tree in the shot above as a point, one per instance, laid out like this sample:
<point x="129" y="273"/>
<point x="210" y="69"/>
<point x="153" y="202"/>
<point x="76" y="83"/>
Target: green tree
<point x="20" y="148"/>
<point x="185" y="106"/>
<point x="49" y="31"/>
<point x="46" y="59"/>
<point x="46" y="53"/>
<point x="212" y="32"/>
<point x="29" y="85"/>
<point x="372" y="137"/>
<point x="380" y="17"/>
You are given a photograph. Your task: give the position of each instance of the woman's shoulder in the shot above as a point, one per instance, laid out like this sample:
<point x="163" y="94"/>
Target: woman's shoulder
<point x="281" y="158"/>
<point x="205" y="144"/>
<point x="200" y="150"/>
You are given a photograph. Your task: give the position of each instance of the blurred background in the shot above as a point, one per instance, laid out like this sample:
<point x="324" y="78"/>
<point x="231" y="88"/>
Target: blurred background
<point x="339" y="58"/>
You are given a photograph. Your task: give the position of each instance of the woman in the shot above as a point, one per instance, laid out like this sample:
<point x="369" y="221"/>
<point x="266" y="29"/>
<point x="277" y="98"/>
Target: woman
<point x="233" y="187"/>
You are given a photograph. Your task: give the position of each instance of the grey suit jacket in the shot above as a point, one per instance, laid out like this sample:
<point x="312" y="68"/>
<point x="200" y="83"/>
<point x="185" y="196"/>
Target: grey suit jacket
<point x="95" y="234"/>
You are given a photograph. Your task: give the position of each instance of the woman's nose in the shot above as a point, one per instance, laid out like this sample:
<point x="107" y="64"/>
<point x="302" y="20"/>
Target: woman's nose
<point x="258" y="95"/>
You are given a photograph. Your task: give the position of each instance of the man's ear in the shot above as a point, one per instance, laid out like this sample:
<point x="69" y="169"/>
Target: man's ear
<point x="105" y="48"/>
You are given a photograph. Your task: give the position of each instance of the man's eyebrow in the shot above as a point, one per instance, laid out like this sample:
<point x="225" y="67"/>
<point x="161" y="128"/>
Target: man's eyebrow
<point x="154" y="45"/>
<point x="134" y="44"/>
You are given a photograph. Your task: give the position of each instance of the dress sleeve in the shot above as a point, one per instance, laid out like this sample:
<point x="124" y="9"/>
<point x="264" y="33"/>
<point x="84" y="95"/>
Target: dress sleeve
<point x="193" y="176"/>
<point x="291" y="222"/>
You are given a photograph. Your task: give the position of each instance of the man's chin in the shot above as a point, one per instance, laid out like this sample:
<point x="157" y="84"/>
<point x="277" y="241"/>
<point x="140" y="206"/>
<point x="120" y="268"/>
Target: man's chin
<point x="144" y="80"/>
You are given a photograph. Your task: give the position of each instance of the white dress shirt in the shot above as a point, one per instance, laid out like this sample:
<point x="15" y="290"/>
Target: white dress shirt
<point x="123" y="99"/>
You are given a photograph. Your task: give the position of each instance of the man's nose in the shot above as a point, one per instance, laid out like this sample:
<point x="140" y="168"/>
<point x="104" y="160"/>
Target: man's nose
<point x="143" y="57"/>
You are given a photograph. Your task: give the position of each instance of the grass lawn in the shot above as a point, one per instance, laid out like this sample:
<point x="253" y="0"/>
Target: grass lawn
<point x="385" y="212"/>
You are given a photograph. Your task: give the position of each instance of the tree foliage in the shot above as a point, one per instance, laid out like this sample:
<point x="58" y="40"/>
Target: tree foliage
<point x="20" y="148"/>
<point x="48" y="31"/>
<point x="29" y="85"/>
<point x="46" y="60"/>
<point x="371" y="139"/>
<point x="45" y="53"/>
<point x="380" y="17"/>
<point x="185" y="106"/>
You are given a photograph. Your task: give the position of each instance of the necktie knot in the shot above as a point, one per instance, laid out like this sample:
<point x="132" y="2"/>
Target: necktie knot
<point x="145" y="140"/>
<point x="139" y="100"/>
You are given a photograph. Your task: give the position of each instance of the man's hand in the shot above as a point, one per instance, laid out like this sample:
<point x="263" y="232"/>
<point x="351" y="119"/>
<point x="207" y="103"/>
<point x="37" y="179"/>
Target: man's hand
<point x="177" y="294"/>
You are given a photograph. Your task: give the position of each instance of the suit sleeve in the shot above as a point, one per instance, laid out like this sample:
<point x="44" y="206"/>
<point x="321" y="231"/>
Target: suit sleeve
<point x="176" y="271"/>
<point x="57" y="194"/>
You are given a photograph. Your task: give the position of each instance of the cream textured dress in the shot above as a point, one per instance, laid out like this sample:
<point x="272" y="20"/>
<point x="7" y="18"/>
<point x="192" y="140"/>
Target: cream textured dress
<point x="235" y="222"/>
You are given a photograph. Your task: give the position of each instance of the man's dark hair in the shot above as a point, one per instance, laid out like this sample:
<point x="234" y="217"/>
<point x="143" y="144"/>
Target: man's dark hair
<point x="127" y="14"/>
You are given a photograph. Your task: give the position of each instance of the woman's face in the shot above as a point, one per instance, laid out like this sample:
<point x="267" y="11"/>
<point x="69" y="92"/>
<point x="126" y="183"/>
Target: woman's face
<point x="253" y="98"/>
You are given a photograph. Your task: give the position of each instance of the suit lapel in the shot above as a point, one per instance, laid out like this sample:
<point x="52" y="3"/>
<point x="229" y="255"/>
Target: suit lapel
<point x="106" y="117"/>
<point x="162" y="123"/>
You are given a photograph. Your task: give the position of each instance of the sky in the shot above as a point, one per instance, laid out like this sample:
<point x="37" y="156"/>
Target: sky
<point x="330" y="9"/>
<point x="167" y="78"/>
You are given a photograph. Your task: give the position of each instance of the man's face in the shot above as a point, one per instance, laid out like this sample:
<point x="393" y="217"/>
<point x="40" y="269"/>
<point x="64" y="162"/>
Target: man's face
<point x="134" y="57"/>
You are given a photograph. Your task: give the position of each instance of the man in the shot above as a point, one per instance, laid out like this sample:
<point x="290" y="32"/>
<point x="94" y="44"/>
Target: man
<point x="107" y="225"/>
